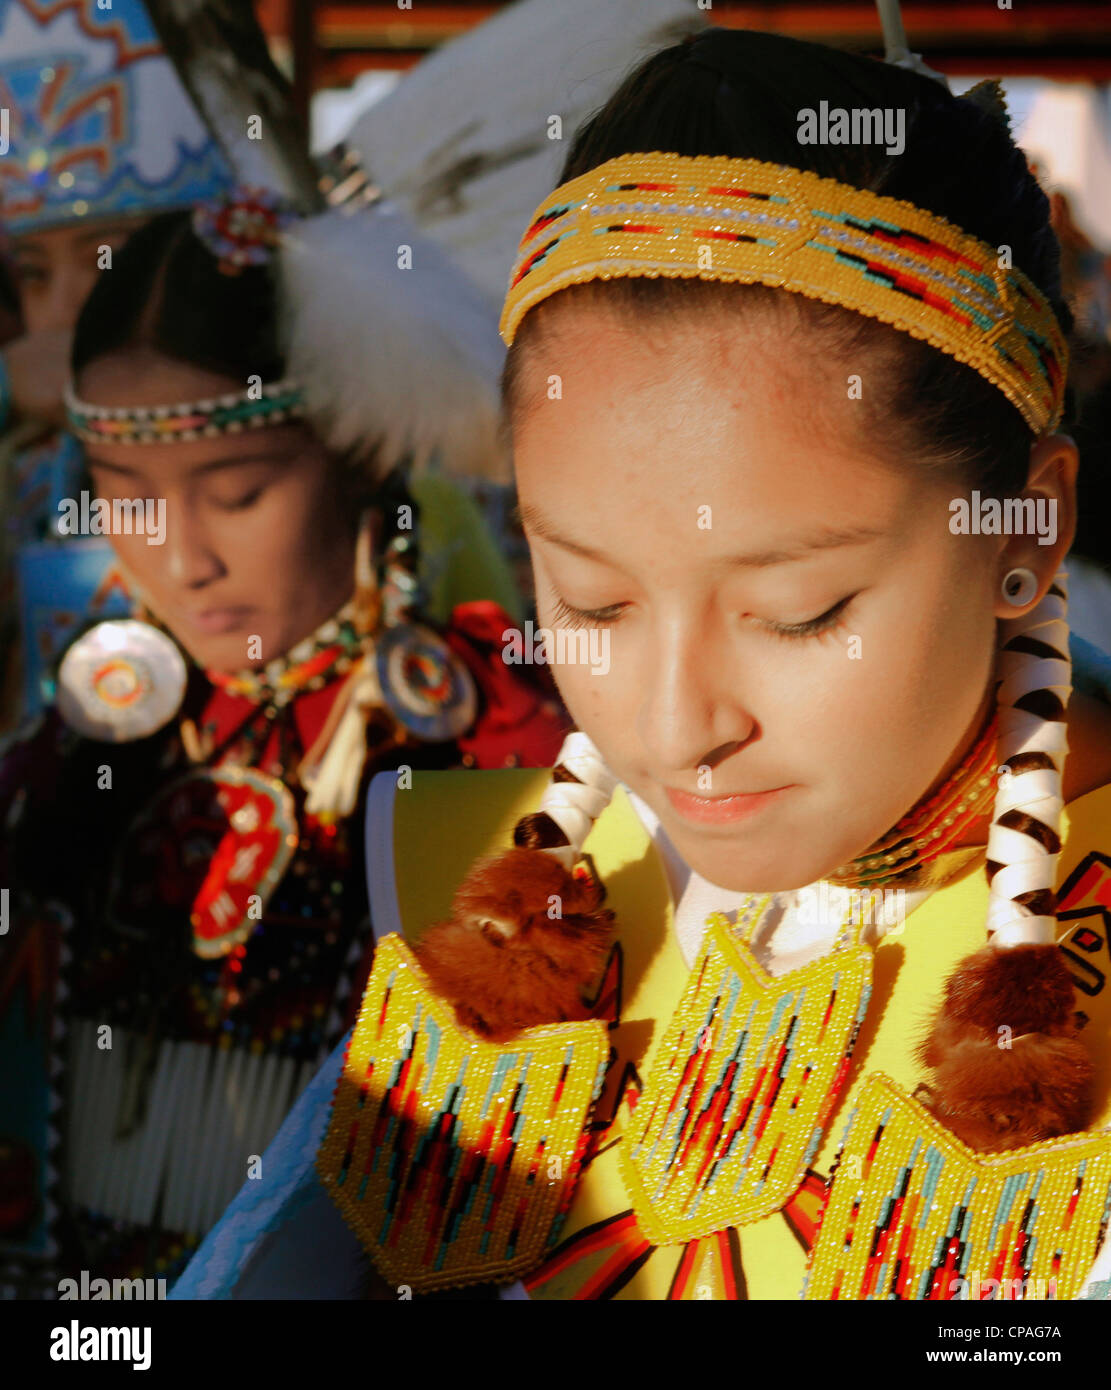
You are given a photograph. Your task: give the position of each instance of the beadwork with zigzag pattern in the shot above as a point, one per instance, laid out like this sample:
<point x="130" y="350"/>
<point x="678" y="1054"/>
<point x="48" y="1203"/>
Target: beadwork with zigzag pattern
<point x="914" y="1214"/>
<point x="742" y="1087"/>
<point x="453" y="1159"/>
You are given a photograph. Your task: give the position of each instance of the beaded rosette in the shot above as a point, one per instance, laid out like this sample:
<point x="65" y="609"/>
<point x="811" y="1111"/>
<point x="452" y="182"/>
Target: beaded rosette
<point x="912" y="1213"/>
<point x="742" y="1087"/>
<point x="454" y="1160"/>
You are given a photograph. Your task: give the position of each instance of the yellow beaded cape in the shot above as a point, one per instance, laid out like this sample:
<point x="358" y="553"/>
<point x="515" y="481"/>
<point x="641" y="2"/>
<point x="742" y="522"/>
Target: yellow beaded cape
<point x="911" y="1214"/>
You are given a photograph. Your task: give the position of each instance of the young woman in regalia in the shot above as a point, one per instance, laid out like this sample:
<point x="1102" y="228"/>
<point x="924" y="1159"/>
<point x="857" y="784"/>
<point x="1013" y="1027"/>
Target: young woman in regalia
<point x="185" y="824"/>
<point x="99" y="136"/>
<point x="790" y="981"/>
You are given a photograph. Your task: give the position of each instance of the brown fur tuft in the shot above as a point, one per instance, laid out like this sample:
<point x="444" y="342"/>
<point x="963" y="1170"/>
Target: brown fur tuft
<point x="997" y="1090"/>
<point x="502" y="961"/>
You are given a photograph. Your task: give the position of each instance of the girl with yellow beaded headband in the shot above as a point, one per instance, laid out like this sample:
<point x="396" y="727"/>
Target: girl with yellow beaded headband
<point x="790" y="315"/>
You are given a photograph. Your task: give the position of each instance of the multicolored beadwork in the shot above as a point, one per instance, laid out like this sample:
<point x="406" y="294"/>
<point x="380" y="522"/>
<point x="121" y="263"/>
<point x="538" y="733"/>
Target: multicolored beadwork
<point x="742" y="1087"/>
<point x="934" y="824"/>
<point x="330" y="651"/>
<point x="454" y="1160"/>
<point x="242" y="227"/>
<point x="749" y="222"/>
<point x="270" y="404"/>
<point x="238" y="829"/>
<point x="914" y="1214"/>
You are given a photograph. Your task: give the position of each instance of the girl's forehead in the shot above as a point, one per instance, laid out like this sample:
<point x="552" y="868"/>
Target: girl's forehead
<point x="141" y="376"/>
<point x="166" y="465"/>
<point x="74" y="236"/>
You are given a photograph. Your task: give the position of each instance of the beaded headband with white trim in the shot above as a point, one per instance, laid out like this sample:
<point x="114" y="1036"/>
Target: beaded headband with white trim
<point x="746" y="221"/>
<point x="270" y="404"/>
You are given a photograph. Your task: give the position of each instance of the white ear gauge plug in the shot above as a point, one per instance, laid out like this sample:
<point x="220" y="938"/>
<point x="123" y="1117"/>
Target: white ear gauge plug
<point x="1019" y="586"/>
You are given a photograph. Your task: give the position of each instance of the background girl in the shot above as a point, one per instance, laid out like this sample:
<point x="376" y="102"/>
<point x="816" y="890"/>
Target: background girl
<point x="195" y="852"/>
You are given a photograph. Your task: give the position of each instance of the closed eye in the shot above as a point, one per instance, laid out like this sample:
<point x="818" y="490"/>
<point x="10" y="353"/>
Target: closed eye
<point x="240" y="504"/>
<point x="567" y="616"/>
<point x="813" y="627"/>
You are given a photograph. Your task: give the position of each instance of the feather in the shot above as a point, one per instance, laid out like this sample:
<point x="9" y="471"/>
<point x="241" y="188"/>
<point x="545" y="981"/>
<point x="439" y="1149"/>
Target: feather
<point x="397" y="362"/>
<point x="989" y="96"/>
<point x="464" y="142"/>
<point x="224" y="63"/>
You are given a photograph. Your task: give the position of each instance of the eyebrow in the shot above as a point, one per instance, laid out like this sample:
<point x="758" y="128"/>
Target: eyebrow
<point x="216" y="464"/>
<point x="824" y="538"/>
<point x="94" y="234"/>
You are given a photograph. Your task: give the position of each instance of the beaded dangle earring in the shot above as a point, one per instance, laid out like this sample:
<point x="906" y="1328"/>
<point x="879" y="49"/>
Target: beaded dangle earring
<point x="367" y="604"/>
<point x="1008" y="1066"/>
<point x="528" y="933"/>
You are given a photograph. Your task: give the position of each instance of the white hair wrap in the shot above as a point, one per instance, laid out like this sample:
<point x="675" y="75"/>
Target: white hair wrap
<point x="575" y="806"/>
<point x="1033" y="657"/>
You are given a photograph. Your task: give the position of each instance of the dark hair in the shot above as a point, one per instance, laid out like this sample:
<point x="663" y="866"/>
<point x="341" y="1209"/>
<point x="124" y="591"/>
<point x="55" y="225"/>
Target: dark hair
<point x="166" y="291"/>
<point x="738" y="93"/>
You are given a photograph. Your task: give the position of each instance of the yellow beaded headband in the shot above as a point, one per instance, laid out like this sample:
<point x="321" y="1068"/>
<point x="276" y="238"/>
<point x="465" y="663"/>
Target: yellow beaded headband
<point x="749" y="222"/>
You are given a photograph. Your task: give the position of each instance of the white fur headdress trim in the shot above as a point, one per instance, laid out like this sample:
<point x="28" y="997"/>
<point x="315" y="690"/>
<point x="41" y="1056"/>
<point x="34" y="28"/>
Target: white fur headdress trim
<point x="398" y="353"/>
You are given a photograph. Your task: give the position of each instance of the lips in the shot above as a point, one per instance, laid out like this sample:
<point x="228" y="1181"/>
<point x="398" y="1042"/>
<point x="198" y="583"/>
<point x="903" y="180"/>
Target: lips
<point x="213" y="621"/>
<point x="723" y="810"/>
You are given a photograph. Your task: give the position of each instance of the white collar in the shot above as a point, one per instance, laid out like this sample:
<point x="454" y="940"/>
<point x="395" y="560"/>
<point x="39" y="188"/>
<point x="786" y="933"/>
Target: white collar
<point x="792" y="934"/>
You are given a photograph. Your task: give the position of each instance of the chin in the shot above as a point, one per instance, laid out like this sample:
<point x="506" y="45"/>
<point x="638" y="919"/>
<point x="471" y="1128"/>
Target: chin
<point x="226" y="653"/>
<point x="743" y="868"/>
<point x="762" y="878"/>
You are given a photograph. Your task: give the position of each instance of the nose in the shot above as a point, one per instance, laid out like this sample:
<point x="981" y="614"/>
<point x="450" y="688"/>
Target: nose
<point x="67" y="290"/>
<point x="190" y="557"/>
<point x="691" y="703"/>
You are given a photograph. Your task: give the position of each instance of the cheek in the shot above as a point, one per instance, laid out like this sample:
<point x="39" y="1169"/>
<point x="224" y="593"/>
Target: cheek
<point x="82" y="280"/>
<point x="595" y="704"/>
<point x="146" y="563"/>
<point x="34" y="303"/>
<point x="279" y="539"/>
<point x="910" y="698"/>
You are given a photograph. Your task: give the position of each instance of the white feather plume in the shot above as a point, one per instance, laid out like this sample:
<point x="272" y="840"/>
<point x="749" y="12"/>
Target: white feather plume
<point x="397" y="362"/>
<point x="464" y="143"/>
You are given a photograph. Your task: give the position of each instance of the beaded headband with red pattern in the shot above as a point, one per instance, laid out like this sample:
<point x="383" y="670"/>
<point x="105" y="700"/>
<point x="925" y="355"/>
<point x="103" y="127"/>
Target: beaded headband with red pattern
<point x="274" y="403"/>
<point x="750" y="222"/>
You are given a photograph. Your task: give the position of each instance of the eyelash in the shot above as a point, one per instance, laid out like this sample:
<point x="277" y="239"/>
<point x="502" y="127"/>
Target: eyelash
<point x="566" y="616"/>
<point x="242" y="503"/>
<point x="815" y="627"/>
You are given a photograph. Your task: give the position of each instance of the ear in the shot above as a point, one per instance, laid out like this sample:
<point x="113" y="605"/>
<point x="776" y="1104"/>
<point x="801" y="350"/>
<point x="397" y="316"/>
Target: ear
<point x="1054" y="462"/>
